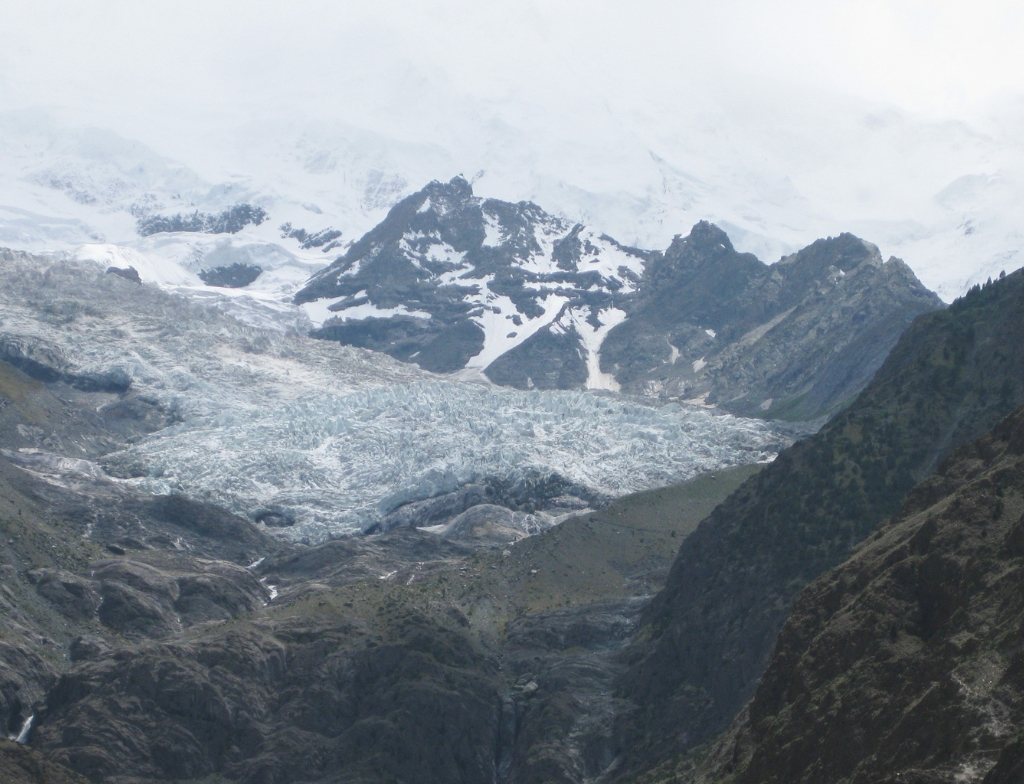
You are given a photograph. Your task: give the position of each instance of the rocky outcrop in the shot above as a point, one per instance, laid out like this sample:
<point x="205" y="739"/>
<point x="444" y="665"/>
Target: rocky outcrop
<point x="318" y="697"/>
<point x="710" y="633"/>
<point x="25" y="677"/>
<point x="515" y="501"/>
<point x="229" y="221"/>
<point x="906" y="663"/>
<point x="232" y="276"/>
<point x="796" y="339"/>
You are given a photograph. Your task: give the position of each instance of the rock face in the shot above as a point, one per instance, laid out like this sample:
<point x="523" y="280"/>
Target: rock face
<point x="795" y="339"/>
<point x="952" y="376"/>
<point x="21" y="765"/>
<point x="229" y="221"/>
<point x="451" y="281"/>
<point x="319" y="698"/>
<point x="233" y="276"/>
<point x="137" y="598"/>
<point x="906" y="663"/>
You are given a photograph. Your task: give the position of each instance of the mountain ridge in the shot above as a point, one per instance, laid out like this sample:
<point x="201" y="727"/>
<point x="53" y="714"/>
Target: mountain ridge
<point x="456" y="283"/>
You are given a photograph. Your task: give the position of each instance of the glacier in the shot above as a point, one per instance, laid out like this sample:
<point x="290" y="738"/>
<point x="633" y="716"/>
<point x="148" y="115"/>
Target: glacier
<point x="336" y="464"/>
<point x="334" y="436"/>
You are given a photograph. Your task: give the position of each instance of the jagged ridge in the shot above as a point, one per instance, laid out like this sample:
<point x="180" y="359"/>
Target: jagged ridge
<point x="452" y="281"/>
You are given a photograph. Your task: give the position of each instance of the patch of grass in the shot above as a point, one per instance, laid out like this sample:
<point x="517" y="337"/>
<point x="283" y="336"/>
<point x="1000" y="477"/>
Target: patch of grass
<point x="15" y="385"/>
<point x="20" y="390"/>
<point x="621" y="551"/>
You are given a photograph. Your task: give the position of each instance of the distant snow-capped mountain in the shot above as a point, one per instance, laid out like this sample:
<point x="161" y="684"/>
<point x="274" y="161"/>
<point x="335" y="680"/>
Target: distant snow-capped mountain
<point x="942" y="196"/>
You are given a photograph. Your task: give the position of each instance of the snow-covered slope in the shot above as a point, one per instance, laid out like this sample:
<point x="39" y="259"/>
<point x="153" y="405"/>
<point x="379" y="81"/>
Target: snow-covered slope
<point x="329" y="436"/>
<point x="776" y="175"/>
<point x="454" y="282"/>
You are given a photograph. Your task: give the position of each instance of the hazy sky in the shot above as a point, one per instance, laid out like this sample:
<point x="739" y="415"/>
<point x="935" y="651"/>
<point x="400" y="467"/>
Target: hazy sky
<point x="152" y="69"/>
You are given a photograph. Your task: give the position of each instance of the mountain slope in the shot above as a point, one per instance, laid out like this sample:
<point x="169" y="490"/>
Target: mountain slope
<point x="710" y="633"/>
<point x="451" y="281"/>
<point x="21" y="765"/>
<point x="906" y="663"/>
<point x="796" y="339"/>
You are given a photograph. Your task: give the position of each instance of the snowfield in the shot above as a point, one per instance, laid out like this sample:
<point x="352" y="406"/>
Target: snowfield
<point x="335" y="436"/>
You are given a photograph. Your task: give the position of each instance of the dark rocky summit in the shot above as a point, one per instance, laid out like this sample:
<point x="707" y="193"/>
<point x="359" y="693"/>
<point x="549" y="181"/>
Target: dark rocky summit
<point x="449" y="280"/>
<point x="233" y="276"/>
<point x="906" y="663"/>
<point x="229" y="221"/>
<point x="795" y="339"/>
<point x="709" y="635"/>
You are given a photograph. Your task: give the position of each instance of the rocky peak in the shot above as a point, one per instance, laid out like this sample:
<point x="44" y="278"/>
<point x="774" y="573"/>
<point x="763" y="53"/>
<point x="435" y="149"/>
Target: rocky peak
<point x="698" y="276"/>
<point x="452" y="281"/>
<point x="705" y="236"/>
<point x="704" y="249"/>
<point x="827" y="261"/>
<point x="720" y="326"/>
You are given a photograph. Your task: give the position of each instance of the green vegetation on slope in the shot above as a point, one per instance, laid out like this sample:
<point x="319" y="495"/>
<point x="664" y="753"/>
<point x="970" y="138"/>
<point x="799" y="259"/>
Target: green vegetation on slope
<point x="906" y="663"/>
<point x="952" y="376"/>
<point x="623" y="550"/>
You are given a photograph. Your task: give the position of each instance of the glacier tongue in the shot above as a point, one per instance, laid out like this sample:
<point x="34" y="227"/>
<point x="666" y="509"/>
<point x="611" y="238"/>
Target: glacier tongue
<point x="337" y="463"/>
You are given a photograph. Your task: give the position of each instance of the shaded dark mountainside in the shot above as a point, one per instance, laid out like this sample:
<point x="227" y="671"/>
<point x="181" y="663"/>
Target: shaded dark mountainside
<point x="709" y="634"/>
<point x="21" y="765"/>
<point x="906" y="663"/>
<point x="451" y="281"/>
<point x="795" y="339"/>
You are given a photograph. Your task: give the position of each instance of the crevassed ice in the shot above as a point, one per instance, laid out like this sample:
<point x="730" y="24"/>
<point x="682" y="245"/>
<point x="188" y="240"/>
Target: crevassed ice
<point x="337" y="463"/>
<point x="337" y="435"/>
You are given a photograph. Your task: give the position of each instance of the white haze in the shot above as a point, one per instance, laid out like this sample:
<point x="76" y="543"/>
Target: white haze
<point x="899" y="121"/>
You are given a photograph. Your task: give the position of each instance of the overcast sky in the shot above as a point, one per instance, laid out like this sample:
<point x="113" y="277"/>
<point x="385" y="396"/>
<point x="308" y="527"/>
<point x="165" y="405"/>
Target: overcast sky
<point x="155" y="69"/>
